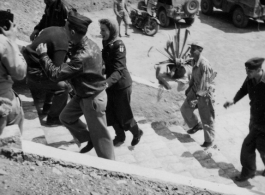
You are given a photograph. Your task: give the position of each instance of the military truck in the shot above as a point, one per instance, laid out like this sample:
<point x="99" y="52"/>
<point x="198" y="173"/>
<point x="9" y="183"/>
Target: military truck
<point x="241" y="10"/>
<point x="174" y="10"/>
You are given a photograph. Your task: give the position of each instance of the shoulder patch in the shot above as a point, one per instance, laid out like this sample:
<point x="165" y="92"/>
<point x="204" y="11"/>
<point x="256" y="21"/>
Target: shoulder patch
<point x="121" y="48"/>
<point x="119" y="45"/>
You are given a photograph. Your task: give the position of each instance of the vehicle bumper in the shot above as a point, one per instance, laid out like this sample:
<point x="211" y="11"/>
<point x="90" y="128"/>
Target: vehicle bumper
<point x="177" y="15"/>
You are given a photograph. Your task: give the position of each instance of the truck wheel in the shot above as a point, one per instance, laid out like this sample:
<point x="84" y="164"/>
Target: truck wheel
<point x="217" y="3"/>
<point x="164" y="20"/>
<point x="189" y="21"/>
<point x="207" y="7"/>
<point x="191" y="7"/>
<point x="141" y="5"/>
<point x="151" y="27"/>
<point x="240" y="20"/>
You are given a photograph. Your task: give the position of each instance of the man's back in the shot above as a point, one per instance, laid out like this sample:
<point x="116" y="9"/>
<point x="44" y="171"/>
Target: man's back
<point x="56" y="40"/>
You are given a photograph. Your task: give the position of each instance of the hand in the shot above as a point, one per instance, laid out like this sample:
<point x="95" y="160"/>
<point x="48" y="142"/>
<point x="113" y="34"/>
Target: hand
<point x="42" y="48"/>
<point x="194" y="103"/>
<point x="33" y="35"/>
<point x="228" y="104"/>
<point x="11" y="34"/>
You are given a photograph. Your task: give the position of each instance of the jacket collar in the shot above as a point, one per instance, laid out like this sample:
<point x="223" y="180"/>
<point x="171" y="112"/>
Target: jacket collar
<point x="263" y="77"/>
<point x="199" y="61"/>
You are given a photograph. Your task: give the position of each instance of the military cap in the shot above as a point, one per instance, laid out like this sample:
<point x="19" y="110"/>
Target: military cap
<point x="254" y="63"/>
<point x="197" y="43"/>
<point x="80" y="22"/>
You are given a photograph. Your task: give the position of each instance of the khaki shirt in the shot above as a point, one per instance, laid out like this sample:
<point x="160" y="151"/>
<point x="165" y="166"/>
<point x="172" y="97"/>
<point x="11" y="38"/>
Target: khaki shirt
<point x="12" y="64"/>
<point x="201" y="77"/>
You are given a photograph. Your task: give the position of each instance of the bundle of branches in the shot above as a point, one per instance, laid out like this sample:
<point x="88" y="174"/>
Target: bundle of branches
<point x="177" y="62"/>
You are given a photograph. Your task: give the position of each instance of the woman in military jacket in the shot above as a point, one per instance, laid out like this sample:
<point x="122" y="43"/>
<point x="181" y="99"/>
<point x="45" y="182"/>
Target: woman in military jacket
<point x="119" y="84"/>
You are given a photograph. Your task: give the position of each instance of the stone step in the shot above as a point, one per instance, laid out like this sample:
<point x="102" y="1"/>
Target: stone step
<point x="163" y="148"/>
<point x="221" y="170"/>
<point x="32" y="126"/>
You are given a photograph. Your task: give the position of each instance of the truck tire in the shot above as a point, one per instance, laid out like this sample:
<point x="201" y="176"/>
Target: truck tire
<point x="163" y="18"/>
<point x="217" y="3"/>
<point x="151" y="28"/>
<point x="240" y="20"/>
<point x="207" y="7"/>
<point x="191" y="7"/>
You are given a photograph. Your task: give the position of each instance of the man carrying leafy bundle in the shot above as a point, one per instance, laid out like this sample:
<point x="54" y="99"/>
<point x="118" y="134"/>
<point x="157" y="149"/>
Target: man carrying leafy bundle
<point x="200" y="94"/>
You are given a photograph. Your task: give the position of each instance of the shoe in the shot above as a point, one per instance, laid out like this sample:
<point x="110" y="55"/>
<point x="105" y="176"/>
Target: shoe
<point x="135" y="139"/>
<point x="207" y="144"/>
<point x="127" y="35"/>
<point x="45" y="109"/>
<point x="87" y="148"/>
<point x="240" y="178"/>
<point x="195" y="128"/>
<point x="53" y="121"/>
<point x="263" y="173"/>
<point x="118" y="141"/>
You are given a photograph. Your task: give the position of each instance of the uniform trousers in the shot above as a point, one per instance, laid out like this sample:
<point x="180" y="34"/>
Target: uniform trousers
<point x="254" y="140"/>
<point x="119" y="112"/>
<point x="57" y="92"/>
<point x="93" y="108"/>
<point x="207" y="115"/>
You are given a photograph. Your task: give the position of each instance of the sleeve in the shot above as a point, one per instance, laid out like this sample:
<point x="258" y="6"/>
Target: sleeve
<point x="118" y="62"/>
<point x="206" y="72"/>
<point x="64" y="72"/>
<point x="115" y="8"/>
<point x="41" y="24"/>
<point x="241" y="92"/>
<point x="13" y="60"/>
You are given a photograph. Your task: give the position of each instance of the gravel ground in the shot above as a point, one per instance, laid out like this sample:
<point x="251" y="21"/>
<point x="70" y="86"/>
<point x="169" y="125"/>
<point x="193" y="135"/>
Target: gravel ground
<point x="41" y="176"/>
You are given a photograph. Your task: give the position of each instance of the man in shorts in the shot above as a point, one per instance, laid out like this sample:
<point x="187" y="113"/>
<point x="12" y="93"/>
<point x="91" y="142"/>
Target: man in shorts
<point x="122" y="13"/>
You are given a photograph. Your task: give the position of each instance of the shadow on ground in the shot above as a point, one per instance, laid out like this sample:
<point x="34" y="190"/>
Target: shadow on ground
<point x="204" y="157"/>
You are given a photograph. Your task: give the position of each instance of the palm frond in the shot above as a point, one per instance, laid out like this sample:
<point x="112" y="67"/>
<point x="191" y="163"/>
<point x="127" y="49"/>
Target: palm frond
<point x="177" y="42"/>
<point x="163" y="53"/>
<point x="184" y="55"/>
<point x="187" y="32"/>
<point x="149" y="50"/>
<point x="166" y="61"/>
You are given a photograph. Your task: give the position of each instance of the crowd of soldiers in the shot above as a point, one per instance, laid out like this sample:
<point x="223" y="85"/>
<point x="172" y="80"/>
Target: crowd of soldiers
<point x="100" y="84"/>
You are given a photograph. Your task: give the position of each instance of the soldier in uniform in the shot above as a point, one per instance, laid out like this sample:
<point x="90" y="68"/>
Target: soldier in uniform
<point x="254" y="86"/>
<point x="55" y="14"/>
<point x="84" y="73"/>
<point x="200" y="94"/>
<point x="119" y="84"/>
<point x="57" y="41"/>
